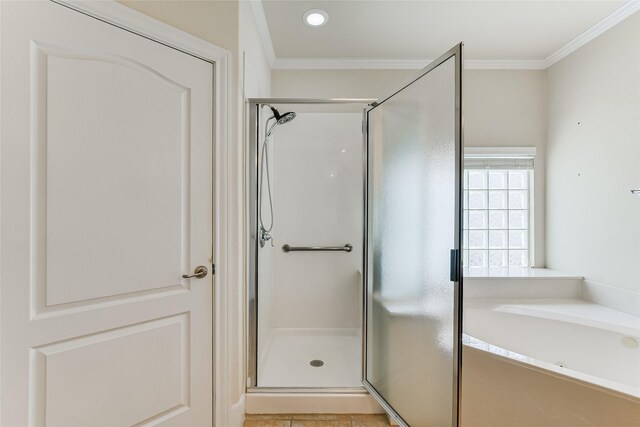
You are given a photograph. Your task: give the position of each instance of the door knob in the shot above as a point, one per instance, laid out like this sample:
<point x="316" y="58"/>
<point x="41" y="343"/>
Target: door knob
<point x="200" y="272"/>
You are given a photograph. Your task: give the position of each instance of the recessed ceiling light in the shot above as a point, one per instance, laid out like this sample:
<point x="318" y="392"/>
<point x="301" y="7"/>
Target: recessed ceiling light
<point x="315" y="17"/>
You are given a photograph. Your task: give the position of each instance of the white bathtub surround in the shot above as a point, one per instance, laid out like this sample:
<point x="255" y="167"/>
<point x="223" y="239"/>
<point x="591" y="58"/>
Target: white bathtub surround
<point x="498" y="391"/>
<point x="517" y="272"/>
<point x="522" y="283"/>
<point x="615" y="298"/>
<point x="552" y="363"/>
<point x="578" y="339"/>
<point x="544" y="283"/>
<point x="287" y="355"/>
<point x="541" y="319"/>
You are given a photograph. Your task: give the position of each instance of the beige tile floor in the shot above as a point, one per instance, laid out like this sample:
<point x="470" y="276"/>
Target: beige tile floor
<point x="316" y="420"/>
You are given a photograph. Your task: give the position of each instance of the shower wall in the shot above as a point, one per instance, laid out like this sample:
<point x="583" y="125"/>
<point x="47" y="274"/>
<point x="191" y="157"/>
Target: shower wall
<point x="318" y="175"/>
<point x="317" y="185"/>
<point x="266" y="253"/>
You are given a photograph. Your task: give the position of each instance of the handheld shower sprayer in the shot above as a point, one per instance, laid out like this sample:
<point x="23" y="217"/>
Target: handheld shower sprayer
<point x="280" y="119"/>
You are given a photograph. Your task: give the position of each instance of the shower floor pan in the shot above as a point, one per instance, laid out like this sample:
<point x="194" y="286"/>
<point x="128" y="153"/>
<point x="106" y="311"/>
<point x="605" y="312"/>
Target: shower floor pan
<point x="311" y="358"/>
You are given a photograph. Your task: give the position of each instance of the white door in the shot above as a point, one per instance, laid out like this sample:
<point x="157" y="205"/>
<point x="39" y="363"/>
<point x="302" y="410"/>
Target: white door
<point x="106" y="201"/>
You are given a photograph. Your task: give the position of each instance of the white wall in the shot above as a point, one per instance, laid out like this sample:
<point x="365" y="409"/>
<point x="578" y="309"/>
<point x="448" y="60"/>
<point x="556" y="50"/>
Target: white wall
<point x="316" y="175"/>
<point x="593" y="160"/>
<point x="336" y="83"/>
<point x="257" y="71"/>
<point x="501" y="108"/>
<point x="317" y="178"/>
<point x="507" y="108"/>
<point x="266" y="253"/>
<point x="316" y="181"/>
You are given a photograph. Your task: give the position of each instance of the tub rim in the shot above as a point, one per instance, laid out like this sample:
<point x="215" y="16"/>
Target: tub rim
<point x="591" y="381"/>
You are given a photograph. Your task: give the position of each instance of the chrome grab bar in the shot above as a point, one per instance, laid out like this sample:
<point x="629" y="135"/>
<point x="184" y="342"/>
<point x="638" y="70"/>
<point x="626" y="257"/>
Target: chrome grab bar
<point x="345" y="248"/>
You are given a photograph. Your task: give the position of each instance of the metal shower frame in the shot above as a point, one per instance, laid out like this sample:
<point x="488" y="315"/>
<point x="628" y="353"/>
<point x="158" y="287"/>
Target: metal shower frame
<point x="253" y="133"/>
<point x="253" y="110"/>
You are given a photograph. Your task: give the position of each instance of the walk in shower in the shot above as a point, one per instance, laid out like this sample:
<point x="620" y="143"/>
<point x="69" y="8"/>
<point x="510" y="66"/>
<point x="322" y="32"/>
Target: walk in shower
<point x="354" y="223"/>
<point x="308" y="226"/>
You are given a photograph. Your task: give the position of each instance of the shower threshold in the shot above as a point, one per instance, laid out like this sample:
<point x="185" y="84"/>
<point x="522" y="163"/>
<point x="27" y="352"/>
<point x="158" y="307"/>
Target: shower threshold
<point x="311" y="358"/>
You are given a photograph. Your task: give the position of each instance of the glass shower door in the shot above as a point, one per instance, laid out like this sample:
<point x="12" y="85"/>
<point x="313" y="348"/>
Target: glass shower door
<point x="413" y="317"/>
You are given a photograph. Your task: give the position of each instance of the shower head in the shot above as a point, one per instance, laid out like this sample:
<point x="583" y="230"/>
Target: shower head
<point x="284" y="118"/>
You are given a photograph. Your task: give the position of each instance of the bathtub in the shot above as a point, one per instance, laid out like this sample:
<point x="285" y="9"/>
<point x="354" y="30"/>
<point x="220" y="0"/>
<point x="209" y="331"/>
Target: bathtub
<point x="538" y="362"/>
<point x="570" y="338"/>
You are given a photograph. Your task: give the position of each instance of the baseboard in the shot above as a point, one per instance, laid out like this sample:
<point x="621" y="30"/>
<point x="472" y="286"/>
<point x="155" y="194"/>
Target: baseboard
<point x="311" y="403"/>
<point x="617" y="299"/>
<point x="236" y="413"/>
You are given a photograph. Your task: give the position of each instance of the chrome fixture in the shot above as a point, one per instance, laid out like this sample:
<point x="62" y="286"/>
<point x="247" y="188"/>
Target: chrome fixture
<point x="280" y="119"/>
<point x="635" y="192"/>
<point x="284" y="118"/>
<point x="264" y="237"/>
<point x="199" y="273"/>
<point x="346" y="248"/>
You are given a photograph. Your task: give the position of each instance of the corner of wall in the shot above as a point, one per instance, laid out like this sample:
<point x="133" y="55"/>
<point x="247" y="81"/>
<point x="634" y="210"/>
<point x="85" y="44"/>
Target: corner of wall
<point x="236" y="413"/>
<point x="593" y="139"/>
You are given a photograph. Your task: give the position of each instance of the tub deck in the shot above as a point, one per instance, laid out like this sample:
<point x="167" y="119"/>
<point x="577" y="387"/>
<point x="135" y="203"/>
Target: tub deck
<point x="537" y="354"/>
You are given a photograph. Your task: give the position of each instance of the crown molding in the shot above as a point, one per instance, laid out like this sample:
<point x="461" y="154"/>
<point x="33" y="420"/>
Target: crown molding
<point x="504" y="64"/>
<point x="348" y="63"/>
<point x="263" y="30"/>
<point x="614" y="18"/>
<point x="397" y="64"/>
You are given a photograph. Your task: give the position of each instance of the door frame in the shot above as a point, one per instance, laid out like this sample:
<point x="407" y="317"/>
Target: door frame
<point x="252" y="141"/>
<point x="227" y="190"/>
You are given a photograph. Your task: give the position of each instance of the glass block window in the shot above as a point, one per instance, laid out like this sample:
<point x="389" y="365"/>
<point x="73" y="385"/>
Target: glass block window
<point x="496" y="216"/>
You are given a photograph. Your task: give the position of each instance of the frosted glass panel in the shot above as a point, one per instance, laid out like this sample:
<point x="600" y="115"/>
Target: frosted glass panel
<point x="477" y="239"/>
<point x="477" y="199"/>
<point x="497" y="180"/>
<point x="412" y="216"/>
<point x="478" y="219"/>
<point x="477" y="179"/>
<point x="497" y="199"/>
<point x="518" y="199"/>
<point x="497" y="219"/>
<point x="498" y="239"/>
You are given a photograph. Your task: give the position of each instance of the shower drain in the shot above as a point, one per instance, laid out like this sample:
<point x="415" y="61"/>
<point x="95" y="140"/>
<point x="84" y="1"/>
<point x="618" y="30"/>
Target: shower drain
<point x="316" y="363"/>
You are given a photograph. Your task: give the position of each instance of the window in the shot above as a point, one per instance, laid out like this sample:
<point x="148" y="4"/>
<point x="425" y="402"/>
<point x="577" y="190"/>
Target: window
<point x="497" y="212"/>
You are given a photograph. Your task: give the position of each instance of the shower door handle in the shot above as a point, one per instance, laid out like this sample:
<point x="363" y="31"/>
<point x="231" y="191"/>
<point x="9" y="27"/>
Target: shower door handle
<point x="199" y="273"/>
<point x="454" y="265"/>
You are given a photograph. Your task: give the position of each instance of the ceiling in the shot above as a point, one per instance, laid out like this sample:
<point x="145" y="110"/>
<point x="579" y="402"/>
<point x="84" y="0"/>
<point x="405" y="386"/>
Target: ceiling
<point x="395" y="29"/>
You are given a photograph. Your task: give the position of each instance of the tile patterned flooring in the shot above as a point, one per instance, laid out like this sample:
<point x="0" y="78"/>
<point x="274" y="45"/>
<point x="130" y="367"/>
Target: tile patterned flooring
<point x="316" y="420"/>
